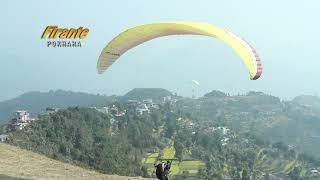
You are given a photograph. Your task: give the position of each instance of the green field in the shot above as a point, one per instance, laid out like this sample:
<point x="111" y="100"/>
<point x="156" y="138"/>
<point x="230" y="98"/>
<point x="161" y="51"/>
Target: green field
<point x="177" y="167"/>
<point x="150" y="158"/>
<point x="168" y="153"/>
<point x="192" y="163"/>
<point x="276" y="166"/>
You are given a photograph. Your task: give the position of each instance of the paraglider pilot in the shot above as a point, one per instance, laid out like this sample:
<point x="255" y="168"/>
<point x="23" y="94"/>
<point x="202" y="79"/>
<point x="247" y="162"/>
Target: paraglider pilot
<point x="162" y="170"/>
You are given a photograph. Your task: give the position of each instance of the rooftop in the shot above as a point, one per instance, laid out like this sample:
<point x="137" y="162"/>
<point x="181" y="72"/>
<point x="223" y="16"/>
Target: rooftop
<point x="3" y="135"/>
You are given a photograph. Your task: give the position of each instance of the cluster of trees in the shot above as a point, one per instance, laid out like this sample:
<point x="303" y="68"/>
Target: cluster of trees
<point x="82" y="136"/>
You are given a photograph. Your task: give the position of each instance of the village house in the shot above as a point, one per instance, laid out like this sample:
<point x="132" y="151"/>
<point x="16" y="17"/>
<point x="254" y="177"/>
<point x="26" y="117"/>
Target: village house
<point x="3" y="137"/>
<point x="21" y="120"/>
<point x="185" y="123"/>
<point x="116" y="111"/>
<point x="224" y="141"/>
<point x="148" y="102"/>
<point x="224" y="130"/>
<point x="133" y="102"/>
<point x="104" y="110"/>
<point x="142" y="108"/>
<point x="315" y="172"/>
<point x="167" y="98"/>
<point x="50" y="110"/>
<point x="22" y="116"/>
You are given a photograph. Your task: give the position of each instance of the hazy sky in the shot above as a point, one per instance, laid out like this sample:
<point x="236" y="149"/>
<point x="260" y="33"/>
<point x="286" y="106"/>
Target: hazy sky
<point x="285" y="34"/>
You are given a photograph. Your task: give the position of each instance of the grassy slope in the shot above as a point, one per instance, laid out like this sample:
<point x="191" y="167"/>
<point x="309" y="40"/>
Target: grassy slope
<point x="16" y="162"/>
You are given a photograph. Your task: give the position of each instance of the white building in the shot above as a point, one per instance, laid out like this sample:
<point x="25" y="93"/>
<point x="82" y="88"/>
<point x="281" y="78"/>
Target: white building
<point x="21" y="120"/>
<point x="150" y="104"/>
<point x="224" y="141"/>
<point x="148" y="101"/>
<point x="3" y="137"/>
<point x="314" y="172"/>
<point x="224" y="130"/>
<point x="104" y="110"/>
<point x="167" y="98"/>
<point x="133" y="102"/>
<point x="142" y="108"/>
<point x="22" y="116"/>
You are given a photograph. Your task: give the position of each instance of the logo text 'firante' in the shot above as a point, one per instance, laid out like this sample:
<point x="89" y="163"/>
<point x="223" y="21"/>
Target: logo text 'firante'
<point x="64" y="37"/>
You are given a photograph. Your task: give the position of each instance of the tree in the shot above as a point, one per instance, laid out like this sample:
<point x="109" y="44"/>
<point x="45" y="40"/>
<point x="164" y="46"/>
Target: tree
<point x="245" y="175"/>
<point x="178" y="146"/>
<point x="170" y="127"/>
<point x="144" y="171"/>
<point x="267" y="176"/>
<point x="295" y="173"/>
<point x="2" y="130"/>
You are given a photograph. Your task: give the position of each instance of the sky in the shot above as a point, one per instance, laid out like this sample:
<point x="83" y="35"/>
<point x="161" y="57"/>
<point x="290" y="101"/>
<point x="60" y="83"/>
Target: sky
<point x="284" y="33"/>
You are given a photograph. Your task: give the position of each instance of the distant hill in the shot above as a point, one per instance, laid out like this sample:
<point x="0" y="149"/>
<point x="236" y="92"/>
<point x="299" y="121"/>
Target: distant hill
<point x="145" y="93"/>
<point x="37" y="102"/>
<point x="215" y="94"/>
<point x="16" y="163"/>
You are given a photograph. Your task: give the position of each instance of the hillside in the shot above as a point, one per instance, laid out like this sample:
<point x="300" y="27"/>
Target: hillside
<point x="296" y="122"/>
<point x="83" y="136"/>
<point x="130" y="145"/>
<point x="16" y="163"/>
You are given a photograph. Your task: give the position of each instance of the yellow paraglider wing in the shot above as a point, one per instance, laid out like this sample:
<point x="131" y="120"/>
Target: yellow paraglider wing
<point x="140" y="34"/>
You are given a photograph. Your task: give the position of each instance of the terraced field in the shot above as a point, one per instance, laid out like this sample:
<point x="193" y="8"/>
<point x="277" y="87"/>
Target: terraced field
<point x="149" y="160"/>
<point x="168" y="153"/>
<point x="276" y="166"/>
<point x="184" y="167"/>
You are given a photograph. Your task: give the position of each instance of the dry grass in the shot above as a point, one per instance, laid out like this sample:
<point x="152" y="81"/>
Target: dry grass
<point x="19" y="163"/>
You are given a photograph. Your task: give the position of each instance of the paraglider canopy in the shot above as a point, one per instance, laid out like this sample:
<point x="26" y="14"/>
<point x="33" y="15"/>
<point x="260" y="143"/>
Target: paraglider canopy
<point x="140" y="34"/>
<point x="196" y="82"/>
